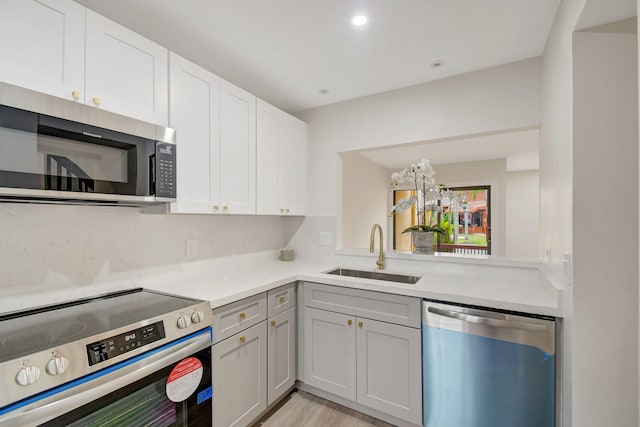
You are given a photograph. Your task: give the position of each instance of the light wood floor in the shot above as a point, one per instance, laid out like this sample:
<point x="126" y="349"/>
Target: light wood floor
<point x="301" y="409"/>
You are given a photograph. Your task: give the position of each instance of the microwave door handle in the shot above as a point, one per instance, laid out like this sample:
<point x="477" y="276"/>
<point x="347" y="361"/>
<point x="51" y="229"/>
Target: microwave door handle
<point x="481" y="320"/>
<point x="152" y="174"/>
<point x="89" y="391"/>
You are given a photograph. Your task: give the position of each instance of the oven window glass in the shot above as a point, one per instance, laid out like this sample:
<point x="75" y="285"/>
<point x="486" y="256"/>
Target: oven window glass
<point x="145" y="403"/>
<point x="146" y="407"/>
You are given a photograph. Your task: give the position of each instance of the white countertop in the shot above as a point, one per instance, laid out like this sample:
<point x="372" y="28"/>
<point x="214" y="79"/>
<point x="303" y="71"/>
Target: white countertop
<point x="224" y="280"/>
<point x="531" y="294"/>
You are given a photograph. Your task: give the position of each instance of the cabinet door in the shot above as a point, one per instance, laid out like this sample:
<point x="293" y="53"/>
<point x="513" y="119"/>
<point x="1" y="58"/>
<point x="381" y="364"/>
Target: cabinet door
<point x="293" y="166"/>
<point x="194" y="114"/>
<point x="239" y="377"/>
<point x="389" y="369"/>
<point x="281" y="354"/>
<point x="125" y="73"/>
<point x="237" y="150"/>
<point x="330" y="352"/>
<point x="42" y="45"/>
<point x="268" y="158"/>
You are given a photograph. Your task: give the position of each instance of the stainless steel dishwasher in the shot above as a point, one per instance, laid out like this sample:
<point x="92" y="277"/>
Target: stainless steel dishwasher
<point x="485" y="368"/>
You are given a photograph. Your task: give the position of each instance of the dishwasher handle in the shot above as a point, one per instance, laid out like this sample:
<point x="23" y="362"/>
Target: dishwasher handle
<point x="488" y="321"/>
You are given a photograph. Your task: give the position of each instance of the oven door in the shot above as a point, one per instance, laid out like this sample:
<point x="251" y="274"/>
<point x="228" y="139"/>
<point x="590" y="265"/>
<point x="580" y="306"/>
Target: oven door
<point x="168" y="386"/>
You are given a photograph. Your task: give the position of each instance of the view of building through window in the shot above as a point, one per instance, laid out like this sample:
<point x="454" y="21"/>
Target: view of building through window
<point x="467" y="223"/>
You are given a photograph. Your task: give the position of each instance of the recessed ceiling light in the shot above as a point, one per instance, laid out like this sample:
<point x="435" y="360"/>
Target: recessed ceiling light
<point x="359" y="20"/>
<point x="437" y="63"/>
<point x="323" y="91"/>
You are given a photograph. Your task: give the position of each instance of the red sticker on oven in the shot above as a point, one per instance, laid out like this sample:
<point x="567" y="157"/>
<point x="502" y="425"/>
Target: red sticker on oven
<point x="184" y="379"/>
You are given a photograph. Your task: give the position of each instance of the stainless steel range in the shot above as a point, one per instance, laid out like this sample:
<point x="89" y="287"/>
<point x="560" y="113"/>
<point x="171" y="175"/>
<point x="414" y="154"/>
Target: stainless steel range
<point x="129" y="358"/>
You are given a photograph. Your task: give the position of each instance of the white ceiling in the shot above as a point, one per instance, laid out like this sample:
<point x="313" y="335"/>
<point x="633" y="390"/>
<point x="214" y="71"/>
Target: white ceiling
<point x="285" y="51"/>
<point x="520" y="148"/>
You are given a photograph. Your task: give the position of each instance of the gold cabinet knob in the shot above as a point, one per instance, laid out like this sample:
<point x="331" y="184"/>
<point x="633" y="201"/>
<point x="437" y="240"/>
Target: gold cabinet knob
<point x="283" y="300"/>
<point x="243" y="339"/>
<point x="225" y="208"/>
<point x="359" y="324"/>
<point x="96" y="100"/>
<point x="349" y="322"/>
<point x="242" y="315"/>
<point x="216" y="207"/>
<point x="75" y="94"/>
<point x="273" y="323"/>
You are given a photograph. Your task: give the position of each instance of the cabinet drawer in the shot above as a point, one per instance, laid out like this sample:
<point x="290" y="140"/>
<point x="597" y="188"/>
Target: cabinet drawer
<point x="281" y="299"/>
<point x="237" y="316"/>
<point x="398" y="309"/>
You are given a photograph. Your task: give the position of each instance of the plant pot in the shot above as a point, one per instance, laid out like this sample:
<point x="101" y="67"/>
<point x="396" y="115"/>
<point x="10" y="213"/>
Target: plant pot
<point x="423" y="241"/>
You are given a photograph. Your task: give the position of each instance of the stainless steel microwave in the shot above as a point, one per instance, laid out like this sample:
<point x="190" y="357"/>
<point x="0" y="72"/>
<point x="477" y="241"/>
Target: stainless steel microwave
<point x="57" y="151"/>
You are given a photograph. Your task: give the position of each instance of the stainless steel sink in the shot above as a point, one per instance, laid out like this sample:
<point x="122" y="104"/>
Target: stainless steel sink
<point x="375" y="275"/>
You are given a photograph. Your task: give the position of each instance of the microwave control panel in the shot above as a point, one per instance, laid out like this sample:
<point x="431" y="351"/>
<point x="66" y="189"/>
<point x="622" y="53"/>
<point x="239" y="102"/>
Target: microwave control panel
<point x="123" y="343"/>
<point x="165" y="170"/>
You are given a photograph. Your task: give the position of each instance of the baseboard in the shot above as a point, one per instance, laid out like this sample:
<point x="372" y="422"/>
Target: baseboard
<point x="355" y="406"/>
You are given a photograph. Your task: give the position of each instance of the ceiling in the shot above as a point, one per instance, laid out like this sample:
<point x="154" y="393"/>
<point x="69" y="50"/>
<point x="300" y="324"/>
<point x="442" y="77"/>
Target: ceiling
<point x="520" y="148"/>
<point x="286" y="51"/>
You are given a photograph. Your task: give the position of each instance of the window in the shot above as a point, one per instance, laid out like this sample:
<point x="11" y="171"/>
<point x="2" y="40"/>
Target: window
<point x="468" y="223"/>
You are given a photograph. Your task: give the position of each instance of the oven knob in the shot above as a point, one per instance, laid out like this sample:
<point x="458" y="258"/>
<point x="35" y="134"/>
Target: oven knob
<point x="57" y="365"/>
<point x="28" y="375"/>
<point x="197" y="317"/>
<point x="183" y="322"/>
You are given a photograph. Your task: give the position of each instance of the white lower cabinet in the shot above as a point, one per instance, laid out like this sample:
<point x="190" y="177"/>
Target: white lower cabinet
<point x="239" y="376"/>
<point x="388" y="369"/>
<point x="281" y="354"/>
<point x="254" y="356"/>
<point x="330" y="352"/>
<point x="373" y="363"/>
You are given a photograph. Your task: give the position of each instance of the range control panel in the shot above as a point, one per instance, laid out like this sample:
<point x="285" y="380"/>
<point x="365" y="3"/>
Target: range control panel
<point x="120" y="344"/>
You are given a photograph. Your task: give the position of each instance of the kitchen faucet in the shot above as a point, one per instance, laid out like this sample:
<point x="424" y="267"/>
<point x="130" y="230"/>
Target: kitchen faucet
<point x="380" y="261"/>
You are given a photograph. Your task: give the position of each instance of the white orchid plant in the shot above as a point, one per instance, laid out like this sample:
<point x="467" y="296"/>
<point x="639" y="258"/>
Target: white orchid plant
<point x="427" y="194"/>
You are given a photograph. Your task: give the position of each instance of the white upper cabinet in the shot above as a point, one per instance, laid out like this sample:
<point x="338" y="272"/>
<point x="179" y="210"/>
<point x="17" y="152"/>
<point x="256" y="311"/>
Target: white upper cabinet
<point x="194" y="113"/>
<point x="268" y="159"/>
<point x="294" y="166"/>
<point x="63" y="49"/>
<point x="281" y="162"/>
<point x="42" y="46"/>
<point x="125" y="72"/>
<point x="237" y="150"/>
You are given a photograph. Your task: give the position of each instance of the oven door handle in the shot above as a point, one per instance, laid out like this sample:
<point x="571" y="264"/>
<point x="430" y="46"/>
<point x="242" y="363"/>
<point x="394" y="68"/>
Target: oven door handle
<point x="94" y="388"/>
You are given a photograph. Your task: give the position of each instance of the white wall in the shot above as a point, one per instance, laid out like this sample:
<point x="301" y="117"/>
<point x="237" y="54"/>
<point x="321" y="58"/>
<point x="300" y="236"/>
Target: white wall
<point x="556" y="174"/>
<point x="485" y="172"/>
<point x="522" y="214"/>
<point x="501" y="98"/>
<point x="44" y="247"/>
<point x="364" y="199"/>
<point x="605" y="229"/>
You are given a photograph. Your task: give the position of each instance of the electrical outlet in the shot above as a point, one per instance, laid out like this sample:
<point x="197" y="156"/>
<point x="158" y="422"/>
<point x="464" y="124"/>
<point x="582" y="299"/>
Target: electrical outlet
<point x="191" y="248"/>
<point x="325" y="238"/>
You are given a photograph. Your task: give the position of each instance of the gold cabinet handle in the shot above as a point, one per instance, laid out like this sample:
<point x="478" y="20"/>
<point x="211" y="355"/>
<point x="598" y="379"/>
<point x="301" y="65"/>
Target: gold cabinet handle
<point x="243" y="339"/>
<point x="75" y="94"/>
<point x="349" y="322"/>
<point x="96" y="100"/>
<point x="225" y="208"/>
<point x="273" y="323"/>
<point x="216" y="207"/>
<point x="242" y="315"/>
<point x="359" y="324"/>
<point x="283" y="300"/>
